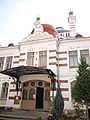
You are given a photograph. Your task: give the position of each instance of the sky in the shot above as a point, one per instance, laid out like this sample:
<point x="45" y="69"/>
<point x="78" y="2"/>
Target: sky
<point x="17" y="17"/>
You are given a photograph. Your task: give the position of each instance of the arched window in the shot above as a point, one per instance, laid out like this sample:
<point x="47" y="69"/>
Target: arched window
<point x="24" y="95"/>
<point x="4" y="91"/>
<point x="31" y="93"/>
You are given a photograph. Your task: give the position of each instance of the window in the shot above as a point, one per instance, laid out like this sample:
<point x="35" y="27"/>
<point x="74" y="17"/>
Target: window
<point x="31" y="93"/>
<point x="47" y="94"/>
<point x="1" y="63"/>
<point x="24" y="94"/>
<point x="8" y="62"/>
<point x="85" y="54"/>
<point x="42" y="58"/>
<point x="68" y="34"/>
<point x="73" y="59"/>
<point x="4" y="91"/>
<point x="30" y="58"/>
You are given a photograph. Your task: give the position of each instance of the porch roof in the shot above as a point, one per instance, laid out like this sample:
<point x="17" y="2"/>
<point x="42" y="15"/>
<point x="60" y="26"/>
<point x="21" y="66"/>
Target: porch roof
<point x="27" y="70"/>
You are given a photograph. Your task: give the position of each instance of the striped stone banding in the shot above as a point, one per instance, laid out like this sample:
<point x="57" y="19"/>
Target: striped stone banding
<point x="73" y="66"/>
<point x="54" y="63"/>
<point x="63" y="81"/>
<point x="13" y="97"/>
<point x="64" y="58"/>
<point x="65" y="64"/>
<point x="15" y="62"/>
<point x="66" y="99"/>
<point x="21" y="60"/>
<point x="62" y="89"/>
<point x="22" y="53"/>
<point x="52" y="50"/>
<point x="52" y="57"/>
<point x="63" y="52"/>
<point x="16" y="56"/>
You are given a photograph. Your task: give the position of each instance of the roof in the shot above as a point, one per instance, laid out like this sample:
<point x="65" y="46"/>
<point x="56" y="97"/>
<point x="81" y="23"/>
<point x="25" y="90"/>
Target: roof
<point x="61" y="30"/>
<point x="26" y="70"/>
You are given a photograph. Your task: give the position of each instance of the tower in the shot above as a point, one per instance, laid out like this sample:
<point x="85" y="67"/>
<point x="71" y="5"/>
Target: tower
<point x="72" y="24"/>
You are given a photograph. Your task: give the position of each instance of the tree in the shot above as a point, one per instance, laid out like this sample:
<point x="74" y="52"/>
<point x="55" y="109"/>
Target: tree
<point x="58" y="104"/>
<point x="81" y="88"/>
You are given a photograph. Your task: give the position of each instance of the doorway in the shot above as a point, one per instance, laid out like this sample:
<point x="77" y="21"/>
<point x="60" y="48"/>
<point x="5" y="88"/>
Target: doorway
<point x="39" y="98"/>
<point x="89" y="113"/>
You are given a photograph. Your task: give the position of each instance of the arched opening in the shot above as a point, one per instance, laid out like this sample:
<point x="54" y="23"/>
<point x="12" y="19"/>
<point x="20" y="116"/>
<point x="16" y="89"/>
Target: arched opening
<point x="36" y="95"/>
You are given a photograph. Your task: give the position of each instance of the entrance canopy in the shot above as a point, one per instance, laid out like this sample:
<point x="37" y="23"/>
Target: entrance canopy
<point x="26" y="70"/>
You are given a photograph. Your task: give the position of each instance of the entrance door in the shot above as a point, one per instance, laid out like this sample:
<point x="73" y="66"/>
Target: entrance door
<point x="39" y="98"/>
<point x="89" y="113"/>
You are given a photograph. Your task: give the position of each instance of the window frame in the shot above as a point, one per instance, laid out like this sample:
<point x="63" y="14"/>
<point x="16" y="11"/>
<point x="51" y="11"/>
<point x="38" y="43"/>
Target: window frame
<point x="72" y="56"/>
<point x="43" y="59"/>
<point x="30" y="55"/>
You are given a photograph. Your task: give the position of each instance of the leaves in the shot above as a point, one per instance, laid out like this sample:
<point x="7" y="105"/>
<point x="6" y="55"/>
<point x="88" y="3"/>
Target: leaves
<point x="81" y="89"/>
<point x="58" y="104"/>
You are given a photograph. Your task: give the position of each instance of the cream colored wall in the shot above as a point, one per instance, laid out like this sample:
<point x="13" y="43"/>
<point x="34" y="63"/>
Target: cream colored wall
<point x="35" y="77"/>
<point x="39" y="42"/>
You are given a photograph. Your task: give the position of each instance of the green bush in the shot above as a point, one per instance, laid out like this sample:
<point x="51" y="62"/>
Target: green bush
<point x="39" y="118"/>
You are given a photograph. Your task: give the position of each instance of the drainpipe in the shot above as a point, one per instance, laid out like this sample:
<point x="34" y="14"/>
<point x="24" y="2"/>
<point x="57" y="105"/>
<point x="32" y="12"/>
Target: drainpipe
<point x="57" y="59"/>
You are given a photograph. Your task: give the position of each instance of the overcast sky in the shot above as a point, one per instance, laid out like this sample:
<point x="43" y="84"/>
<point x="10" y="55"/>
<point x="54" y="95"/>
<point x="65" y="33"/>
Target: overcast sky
<point x="17" y="16"/>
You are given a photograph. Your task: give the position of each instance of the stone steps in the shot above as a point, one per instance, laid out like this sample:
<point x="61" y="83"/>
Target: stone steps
<point x="22" y="115"/>
<point x="14" y="117"/>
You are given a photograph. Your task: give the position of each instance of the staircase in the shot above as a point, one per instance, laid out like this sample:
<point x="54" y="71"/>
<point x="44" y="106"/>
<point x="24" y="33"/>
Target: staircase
<point x="22" y="115"/>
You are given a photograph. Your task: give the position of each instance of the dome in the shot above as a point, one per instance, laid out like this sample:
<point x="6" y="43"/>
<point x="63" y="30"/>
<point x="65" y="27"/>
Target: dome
<point x="49" y="29"/>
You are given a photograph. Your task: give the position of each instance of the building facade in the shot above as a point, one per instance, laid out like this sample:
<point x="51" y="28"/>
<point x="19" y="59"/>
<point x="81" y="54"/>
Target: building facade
<point x="39" y="49"/>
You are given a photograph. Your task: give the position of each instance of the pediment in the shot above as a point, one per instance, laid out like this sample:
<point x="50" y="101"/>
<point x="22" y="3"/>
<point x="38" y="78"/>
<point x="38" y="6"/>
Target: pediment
<point x="38" y="36"/>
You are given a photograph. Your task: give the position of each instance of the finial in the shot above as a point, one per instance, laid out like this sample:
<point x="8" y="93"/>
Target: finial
<point x="70" y="12"/>
<point x="38" y="18"/>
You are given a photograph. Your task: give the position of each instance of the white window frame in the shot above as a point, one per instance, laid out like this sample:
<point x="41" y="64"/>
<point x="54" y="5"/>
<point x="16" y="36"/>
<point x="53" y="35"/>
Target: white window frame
<point x="30" y="55"/>
<point x="43" y="59"/>
<point x="73" y="59"/>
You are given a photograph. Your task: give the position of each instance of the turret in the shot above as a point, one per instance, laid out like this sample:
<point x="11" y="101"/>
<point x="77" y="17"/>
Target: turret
<point x="72" y="24"/>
